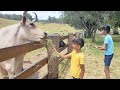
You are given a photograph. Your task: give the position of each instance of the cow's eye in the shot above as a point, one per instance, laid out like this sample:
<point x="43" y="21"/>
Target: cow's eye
<point x="32" y="24"/>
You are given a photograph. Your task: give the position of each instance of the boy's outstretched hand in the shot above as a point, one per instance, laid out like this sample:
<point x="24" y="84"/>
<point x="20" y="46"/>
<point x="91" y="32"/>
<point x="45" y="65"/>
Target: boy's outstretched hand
<point x="61" y="55"/>
<point x="97" y="47"/>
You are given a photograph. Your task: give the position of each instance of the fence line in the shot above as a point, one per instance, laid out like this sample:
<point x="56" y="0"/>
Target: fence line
<point x="6" y="54"/>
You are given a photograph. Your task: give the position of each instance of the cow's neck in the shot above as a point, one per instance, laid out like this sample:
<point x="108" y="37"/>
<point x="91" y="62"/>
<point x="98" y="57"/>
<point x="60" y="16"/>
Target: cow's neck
<point x="9" y="35"/>
<point x="16" y="35"/>
<point x="18" y="38"/>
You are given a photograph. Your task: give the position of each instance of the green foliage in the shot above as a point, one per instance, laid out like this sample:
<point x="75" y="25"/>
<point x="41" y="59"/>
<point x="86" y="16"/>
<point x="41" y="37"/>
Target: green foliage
<point x="85" y="19"/>
<point x="114" y="18"/>
<point x="51" y="20"/>
<point x="88" y="20"/>
<point x="14" y="16"/>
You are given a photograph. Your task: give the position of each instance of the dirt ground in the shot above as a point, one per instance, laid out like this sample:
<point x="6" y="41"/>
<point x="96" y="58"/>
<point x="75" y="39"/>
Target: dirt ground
<point x="40" y="73"/>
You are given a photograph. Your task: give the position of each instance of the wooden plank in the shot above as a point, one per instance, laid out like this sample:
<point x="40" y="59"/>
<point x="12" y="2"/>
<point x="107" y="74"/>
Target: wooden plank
<point x="11" y="52"/>
<point x="77" y="34"/>
<point x="45" y="77"/>
<point x="64" y="37"/>
<point x="61" y="49"/>
<point x="82" y="35"/>
<point x="31" y="70"/>
<point x="70" y="38"/>
<point x="53" y="62"/>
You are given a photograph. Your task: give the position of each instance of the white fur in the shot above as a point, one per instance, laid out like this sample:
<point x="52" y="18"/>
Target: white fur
<point x="13" y="35"/>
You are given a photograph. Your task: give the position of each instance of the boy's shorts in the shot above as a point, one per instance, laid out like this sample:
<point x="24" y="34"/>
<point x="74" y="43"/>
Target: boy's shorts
<point x="107" y="59"/>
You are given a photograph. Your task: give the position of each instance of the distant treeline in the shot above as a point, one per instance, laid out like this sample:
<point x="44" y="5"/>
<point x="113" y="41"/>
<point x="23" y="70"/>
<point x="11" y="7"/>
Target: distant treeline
<point x="14" y="16"/>
<point x="52" y="20"/>
<point x="19" y="17"/>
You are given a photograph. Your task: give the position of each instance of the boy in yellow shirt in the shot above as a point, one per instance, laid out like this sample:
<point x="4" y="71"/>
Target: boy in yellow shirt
<point x="77" y="67"/>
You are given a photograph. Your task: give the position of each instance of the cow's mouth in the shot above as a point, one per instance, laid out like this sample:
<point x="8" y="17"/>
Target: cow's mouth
<point x="42" y="40"/>
<point x="46" y="35"/>
<point x="37" y="42"/>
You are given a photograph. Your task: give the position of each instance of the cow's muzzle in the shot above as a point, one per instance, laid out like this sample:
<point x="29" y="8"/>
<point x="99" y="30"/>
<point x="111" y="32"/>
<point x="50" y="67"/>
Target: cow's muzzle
<point x="46" y="35"/>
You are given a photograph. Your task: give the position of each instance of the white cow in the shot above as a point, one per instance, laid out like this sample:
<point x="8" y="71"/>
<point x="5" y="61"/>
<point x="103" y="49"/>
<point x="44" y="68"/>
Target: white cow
<point x="24" y="32"/>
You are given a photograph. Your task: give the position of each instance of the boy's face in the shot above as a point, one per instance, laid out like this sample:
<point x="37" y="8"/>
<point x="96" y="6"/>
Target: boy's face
<point x="104" y="32"/>
<point x="76" y="46"/>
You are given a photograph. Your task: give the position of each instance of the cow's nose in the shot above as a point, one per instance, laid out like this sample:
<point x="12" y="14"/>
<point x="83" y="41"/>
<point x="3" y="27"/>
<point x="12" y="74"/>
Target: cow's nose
<point x="45" y="34"/>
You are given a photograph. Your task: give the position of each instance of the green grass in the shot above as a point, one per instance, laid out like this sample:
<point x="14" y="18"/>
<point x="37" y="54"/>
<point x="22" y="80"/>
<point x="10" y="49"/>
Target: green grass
<point x="94" y="59"/>
<point x="6" y="22"/>
<point x="62" y="29"/>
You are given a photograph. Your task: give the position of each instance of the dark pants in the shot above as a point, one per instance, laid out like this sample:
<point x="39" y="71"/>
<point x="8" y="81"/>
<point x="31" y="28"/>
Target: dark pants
<point x="108" y="59"/>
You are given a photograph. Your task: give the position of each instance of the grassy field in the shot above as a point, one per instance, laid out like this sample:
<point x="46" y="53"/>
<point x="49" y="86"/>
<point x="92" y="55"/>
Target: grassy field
<point x="93" y="58"/>
<point x="94" y="63"/>
<point x="6" y="22"/>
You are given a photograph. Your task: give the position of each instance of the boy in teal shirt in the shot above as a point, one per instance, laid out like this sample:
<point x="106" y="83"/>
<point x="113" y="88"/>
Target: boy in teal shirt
<point x="108" y="48"/>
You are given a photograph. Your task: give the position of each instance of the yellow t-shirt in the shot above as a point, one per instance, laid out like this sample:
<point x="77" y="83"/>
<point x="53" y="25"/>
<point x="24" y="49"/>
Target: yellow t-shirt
<point x="76" y="60"/>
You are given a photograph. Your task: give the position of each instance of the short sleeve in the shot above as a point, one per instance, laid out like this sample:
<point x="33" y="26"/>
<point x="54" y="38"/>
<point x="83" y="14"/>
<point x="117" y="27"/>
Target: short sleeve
<point x="82" y="57"/>
<point x="106" y="40"/>
<point x="71" y="53"/>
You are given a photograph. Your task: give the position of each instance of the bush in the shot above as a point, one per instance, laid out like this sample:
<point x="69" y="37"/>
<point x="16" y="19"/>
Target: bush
<point x="115" y="32"/>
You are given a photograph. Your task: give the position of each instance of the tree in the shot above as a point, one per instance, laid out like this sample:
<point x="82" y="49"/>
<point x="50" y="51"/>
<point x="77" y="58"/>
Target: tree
<point x="114" y="20"/>
<point x="52" y="20"/>
<point x="14" y="16"/>
<point x="88" y="20"/>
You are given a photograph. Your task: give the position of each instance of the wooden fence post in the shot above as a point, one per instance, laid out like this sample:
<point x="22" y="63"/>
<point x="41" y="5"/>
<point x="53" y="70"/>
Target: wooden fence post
<point x="70" y="38"/>
<point x="78" y="35"/>
<point x="83" y="34"/>
<point x="53" y="64"/>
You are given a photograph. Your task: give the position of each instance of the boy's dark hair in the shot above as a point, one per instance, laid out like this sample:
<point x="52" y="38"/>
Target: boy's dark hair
<point x="106" y="28"/>
<point x="79" y="41"/>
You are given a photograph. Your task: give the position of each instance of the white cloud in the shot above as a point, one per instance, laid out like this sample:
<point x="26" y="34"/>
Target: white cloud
<point x="41" y="14"/>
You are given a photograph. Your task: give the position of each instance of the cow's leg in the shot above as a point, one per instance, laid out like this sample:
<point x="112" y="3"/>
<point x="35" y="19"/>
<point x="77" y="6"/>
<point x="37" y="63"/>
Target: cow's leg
<point x="18" y="64"/>
<point x="3" y="73"/>
<point x="9" y="66"/>
<point x="14" y="65"/>
<point x="11" y="75"/>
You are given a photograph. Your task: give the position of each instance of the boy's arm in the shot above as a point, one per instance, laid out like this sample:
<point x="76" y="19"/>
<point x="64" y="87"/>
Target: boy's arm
<point x="64" y="56"/>
<point x="82" y="71"/>
<point x="82" y="66"/>
<point x="106" y="42"/>
<point x="104" y="47"/>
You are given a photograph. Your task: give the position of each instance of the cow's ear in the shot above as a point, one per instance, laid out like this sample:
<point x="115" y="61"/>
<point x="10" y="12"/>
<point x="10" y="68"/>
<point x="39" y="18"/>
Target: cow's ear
<point x="24" y="19"/>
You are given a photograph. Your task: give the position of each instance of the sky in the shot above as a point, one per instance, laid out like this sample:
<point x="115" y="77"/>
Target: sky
<point x="41" y="14"/>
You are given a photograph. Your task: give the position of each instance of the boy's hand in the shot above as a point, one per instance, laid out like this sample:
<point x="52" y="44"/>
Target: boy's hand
<point x="97" y="47"/>
<point x="61" y="55"/>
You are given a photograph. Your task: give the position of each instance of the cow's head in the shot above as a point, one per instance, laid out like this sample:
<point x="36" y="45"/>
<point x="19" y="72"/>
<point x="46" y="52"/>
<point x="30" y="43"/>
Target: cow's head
<point x="31" y="31"/>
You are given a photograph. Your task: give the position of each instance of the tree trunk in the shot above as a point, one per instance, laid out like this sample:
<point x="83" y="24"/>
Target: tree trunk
<point x="94" y="28"/>
<point x="88" y="34"/>
<point x="115" y="30"/>
<point x="93" y="36"/>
